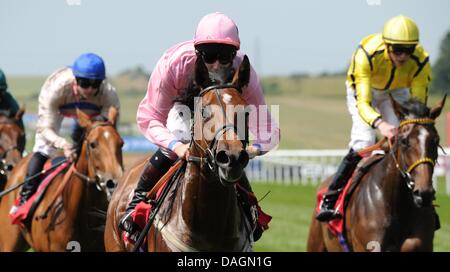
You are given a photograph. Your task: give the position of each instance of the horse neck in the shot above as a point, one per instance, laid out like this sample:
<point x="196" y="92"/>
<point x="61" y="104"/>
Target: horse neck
<point x="75" y="192"/>
<point x="395" y="193"/>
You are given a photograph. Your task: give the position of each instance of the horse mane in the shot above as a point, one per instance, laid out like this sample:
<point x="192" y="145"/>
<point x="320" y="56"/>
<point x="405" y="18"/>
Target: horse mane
<point x="416" y="108"/>
<point x="187" y="96"/>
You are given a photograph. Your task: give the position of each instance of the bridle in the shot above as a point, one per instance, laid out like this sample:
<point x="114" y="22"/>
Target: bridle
<point x="208" y="156"/>
<point x="4" y="166"/>
<point x="102" y="184"/>
<point x="406" y="174"/>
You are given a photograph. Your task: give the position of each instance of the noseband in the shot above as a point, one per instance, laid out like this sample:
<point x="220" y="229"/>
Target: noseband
<point x="406" y="174"/>
<point x="209" y="153"/>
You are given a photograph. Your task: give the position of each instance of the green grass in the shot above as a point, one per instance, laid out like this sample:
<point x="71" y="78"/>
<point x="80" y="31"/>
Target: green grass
<point x="291" y="207"/>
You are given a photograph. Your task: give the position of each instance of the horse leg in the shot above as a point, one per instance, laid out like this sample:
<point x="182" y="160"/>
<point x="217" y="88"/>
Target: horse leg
<point x="421" y="238"/>
<point x="11" y="239"/>
<point x="315" y="238"/>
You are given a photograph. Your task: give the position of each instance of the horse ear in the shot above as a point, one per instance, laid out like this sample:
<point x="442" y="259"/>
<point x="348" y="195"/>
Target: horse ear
<point x="242" y="75"/>
<point x="436" y="110"/>
<point x="20" y="113"/>
<point x="112" y="115"/>
<point x="201" y="74"/>
<point x="398" y="109"/>
<point x="83" y="119"/>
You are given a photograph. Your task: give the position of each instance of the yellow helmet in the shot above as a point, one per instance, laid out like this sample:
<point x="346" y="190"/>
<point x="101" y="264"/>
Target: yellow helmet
<point x="401" y="30"/>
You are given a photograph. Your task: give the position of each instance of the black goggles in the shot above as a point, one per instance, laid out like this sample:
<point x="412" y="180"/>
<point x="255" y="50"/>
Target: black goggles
<point x="88" y="82"/>
<point x="212" y="53"/>
<point x="401" y="49"/>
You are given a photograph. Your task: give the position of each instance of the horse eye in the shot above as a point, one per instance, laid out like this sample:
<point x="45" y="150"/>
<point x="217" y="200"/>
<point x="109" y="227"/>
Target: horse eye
<point x="93" y="145"/>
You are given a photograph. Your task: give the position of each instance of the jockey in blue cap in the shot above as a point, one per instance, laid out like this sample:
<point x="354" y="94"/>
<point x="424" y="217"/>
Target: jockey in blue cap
<point x="81" y="86"/>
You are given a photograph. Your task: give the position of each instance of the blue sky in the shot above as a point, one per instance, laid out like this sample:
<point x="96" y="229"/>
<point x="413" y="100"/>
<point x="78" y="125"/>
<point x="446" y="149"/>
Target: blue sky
<point x="281" y="37"/>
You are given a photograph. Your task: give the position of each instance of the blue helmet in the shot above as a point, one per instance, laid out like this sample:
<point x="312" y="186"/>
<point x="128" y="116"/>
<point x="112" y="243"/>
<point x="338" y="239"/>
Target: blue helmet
<point x="89" y="65"/>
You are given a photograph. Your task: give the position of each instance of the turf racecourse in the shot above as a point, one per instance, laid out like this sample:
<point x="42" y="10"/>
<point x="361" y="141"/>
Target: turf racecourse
<point x="291" y="208"/>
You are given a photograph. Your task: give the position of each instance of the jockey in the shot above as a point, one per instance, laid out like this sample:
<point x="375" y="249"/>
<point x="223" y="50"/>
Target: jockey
<point x="389" y="63"/>
<point x="8" y="105"/>
<point x="81" y="86"/>
<point x="217" y="42"/>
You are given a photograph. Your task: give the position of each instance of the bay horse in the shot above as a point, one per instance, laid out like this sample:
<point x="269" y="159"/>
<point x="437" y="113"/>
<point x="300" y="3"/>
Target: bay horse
<point x="72" y="212"/>
<point x="201" y="211"/>
<point x="12" y="143"/>
<point x="391" y="208"/>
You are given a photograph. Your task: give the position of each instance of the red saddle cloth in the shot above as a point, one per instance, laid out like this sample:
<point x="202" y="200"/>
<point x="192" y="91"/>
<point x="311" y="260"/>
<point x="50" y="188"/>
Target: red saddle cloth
<point x="336" y="226"/>
<point x="22" y="212"/>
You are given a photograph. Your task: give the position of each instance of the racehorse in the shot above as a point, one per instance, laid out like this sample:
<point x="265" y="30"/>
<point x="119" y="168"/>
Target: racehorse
<point x="391" y="208"/>
<point x="12" y="143"/>
<point x="201" y="211"/>
<point x="72" y="212"/>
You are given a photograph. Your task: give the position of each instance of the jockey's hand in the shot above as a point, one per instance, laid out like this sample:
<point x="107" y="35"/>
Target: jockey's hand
<point x="181" y="150"/>
<point x="253" y="151"/>
<point x="69" y="151"/>
<point x="387" y="130"/>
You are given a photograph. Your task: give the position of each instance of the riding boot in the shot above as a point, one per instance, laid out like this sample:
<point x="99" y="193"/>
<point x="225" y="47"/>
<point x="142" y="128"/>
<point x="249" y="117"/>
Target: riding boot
<point x="35" y="166"/>
<point x="154" y="169"/>
<point x="340" y="179"/>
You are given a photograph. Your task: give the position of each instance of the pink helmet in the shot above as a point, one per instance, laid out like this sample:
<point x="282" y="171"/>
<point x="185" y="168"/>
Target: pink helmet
<point x="217" y="28"/>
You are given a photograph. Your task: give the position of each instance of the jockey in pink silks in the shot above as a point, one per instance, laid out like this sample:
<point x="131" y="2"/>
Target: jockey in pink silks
<point x="217" y="42"/>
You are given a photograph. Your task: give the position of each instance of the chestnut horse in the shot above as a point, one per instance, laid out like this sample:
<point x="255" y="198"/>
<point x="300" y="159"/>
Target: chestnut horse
<point x="72" y="212"/>
<point x="201" y="211"/>
<point x="12" y="144"/>
<point x="391" y="208"/>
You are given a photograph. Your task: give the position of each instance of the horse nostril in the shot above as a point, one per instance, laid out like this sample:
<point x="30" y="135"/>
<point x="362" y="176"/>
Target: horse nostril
<point x="110" y="184"/>
<point x="222" y="158"/>
<point x="243" y="158"/>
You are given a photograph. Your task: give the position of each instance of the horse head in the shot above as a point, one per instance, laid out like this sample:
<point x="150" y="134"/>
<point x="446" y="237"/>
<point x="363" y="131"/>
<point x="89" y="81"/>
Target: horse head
<point x="220" y="126"/>
<point x="102" y="151"/>
<point x="12" y="141"/>
<point x="417" y="148"/>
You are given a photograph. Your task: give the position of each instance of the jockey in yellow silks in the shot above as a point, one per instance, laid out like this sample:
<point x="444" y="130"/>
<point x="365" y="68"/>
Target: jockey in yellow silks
<point x="388" y="63"/>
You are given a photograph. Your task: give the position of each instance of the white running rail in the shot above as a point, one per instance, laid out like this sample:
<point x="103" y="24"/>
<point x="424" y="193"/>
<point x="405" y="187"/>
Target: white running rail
<point x="309" y="166"/>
